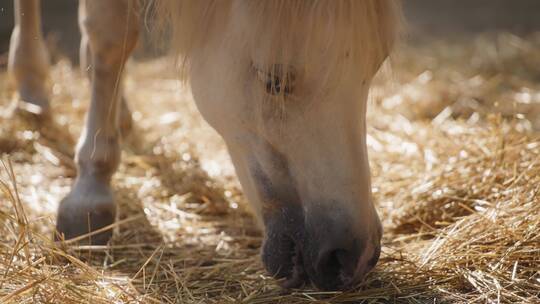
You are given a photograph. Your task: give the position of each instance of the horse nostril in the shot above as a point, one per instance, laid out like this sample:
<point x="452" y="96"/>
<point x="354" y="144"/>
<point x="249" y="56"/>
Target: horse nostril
<point x="342" y="262"/>
<point x="336" y="267"/>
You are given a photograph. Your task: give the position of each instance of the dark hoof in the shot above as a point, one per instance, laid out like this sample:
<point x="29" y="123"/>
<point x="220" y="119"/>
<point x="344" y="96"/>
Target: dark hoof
<point x="89" y="207"/>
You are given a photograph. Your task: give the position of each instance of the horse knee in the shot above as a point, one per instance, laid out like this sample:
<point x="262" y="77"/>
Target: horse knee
<point x="112" y="30"/>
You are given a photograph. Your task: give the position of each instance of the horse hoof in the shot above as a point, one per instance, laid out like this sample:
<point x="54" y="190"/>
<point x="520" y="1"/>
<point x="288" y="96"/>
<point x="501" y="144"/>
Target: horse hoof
<point x="87" y="208"/>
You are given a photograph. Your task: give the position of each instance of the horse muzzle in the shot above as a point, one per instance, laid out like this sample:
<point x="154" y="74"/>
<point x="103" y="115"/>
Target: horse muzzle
<point x="329" y="249"/>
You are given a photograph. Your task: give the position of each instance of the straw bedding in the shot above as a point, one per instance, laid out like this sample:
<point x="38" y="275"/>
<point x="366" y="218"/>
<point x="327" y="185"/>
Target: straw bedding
<point x="455" y="159"/>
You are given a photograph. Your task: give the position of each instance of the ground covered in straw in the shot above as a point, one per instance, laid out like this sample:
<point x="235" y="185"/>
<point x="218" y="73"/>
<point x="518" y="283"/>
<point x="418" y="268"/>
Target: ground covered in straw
<point x="455" y="159"/>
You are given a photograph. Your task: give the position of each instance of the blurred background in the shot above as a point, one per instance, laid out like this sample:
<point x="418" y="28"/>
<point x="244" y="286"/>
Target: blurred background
<point x="425" y="17"/>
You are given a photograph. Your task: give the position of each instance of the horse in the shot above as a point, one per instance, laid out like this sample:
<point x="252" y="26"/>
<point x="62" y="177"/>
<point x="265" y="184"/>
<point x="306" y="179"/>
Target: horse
<point x="284" y="82"/>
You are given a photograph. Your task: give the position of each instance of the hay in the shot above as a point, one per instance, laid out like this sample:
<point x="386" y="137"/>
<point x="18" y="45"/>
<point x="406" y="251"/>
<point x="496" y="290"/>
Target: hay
<point x="456" y="185"/>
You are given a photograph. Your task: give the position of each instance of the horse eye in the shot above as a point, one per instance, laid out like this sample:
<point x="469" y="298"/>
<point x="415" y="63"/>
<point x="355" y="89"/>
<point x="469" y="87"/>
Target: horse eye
<point x="277" y="81"/>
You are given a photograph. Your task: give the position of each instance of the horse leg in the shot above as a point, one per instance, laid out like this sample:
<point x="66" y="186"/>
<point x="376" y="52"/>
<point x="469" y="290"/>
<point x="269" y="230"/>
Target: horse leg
<point x="28" y="63"/>
<point x="85" y="58"/>
<point x="111" y="28"/>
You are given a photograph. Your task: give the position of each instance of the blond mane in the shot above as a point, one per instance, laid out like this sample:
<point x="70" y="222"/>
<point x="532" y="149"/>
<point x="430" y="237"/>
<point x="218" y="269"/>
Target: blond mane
<point x="364" y="30"/>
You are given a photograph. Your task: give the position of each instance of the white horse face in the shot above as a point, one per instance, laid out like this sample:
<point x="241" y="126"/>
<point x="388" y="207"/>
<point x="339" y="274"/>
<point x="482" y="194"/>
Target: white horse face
<point x="299" y="149"/>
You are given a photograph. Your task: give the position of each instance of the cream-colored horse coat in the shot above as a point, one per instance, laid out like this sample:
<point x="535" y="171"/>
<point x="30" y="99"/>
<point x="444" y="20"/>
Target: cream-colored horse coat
<point x="285" y="83"/>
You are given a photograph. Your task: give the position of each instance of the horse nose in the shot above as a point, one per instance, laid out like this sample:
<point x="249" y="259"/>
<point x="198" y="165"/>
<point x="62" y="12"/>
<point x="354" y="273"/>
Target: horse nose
<point x="341" y="267"/>
<point x="342" y="257"/>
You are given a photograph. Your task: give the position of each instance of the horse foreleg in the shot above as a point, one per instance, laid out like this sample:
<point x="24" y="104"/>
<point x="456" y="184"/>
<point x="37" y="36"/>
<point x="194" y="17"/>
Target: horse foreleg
<point x="28" y="63"/>
<point x="111" y="28"/>
<point x="85" y="59"/>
